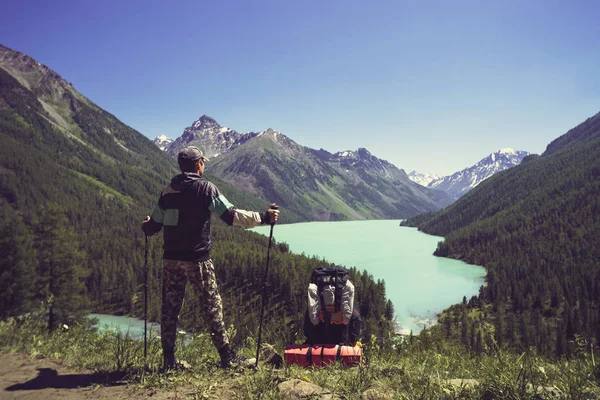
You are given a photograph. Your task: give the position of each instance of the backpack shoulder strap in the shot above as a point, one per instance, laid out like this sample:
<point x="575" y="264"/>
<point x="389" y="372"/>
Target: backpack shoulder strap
<point x="341" y="277"/>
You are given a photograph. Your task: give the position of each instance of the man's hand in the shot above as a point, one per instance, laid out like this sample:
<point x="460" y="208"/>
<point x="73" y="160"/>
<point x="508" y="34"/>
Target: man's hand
<point x="143" y="222"/>
<point x="273" y="213"/>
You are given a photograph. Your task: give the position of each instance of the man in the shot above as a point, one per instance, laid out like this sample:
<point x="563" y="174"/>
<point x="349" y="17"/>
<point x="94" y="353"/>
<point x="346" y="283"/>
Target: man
<point x="184" y="210"/>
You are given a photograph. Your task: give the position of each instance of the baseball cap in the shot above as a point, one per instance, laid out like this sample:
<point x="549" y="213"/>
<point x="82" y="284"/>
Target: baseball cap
<point x="191" y="153"/>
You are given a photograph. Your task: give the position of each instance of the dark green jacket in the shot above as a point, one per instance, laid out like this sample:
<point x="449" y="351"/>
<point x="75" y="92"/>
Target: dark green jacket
<point x="184" y="210"/>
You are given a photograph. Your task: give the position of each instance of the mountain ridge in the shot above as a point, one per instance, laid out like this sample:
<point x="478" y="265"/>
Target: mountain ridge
<point x="460" y="182"/>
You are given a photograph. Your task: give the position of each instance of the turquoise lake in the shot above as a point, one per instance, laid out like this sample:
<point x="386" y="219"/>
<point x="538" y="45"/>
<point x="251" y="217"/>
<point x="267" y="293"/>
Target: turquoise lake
<point x="419" y="284"/>
<point x="133" y="326"/>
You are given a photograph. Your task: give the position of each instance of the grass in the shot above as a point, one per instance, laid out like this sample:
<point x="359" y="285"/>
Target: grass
<point x="107" y="191"/>
<point x="424" y="367"/>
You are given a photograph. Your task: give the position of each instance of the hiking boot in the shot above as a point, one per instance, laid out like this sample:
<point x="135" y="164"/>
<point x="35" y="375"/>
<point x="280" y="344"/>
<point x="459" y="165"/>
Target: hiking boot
<point x="171" y="364"/>
<point x="230" y="359"/>
<point x="169" y="360"/>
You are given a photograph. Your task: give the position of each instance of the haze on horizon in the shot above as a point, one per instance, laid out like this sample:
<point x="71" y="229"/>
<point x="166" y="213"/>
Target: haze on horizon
<point x="432" y="86"/>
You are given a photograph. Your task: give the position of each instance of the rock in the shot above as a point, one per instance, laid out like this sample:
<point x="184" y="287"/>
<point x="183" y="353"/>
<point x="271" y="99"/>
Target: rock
<point x="185" y="365"/>
<point x="270" y="356"/>
<point x="377" y="394"/>
<point x="298" y="389"/>
<point x="549" y="391"/>
<point x="469" y="383"/>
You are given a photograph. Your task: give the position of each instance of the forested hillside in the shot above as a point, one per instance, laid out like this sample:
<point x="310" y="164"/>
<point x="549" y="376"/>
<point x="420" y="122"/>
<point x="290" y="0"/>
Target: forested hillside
<point x="76" y="183"/>
<point x="536" y="229"/>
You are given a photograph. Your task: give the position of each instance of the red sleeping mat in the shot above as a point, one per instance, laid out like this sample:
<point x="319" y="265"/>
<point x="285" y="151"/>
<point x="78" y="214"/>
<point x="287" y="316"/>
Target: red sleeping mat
<point x="321" y="355"/>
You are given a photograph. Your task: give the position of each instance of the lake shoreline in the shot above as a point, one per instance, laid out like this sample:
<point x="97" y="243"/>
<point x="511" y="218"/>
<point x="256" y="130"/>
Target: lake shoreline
<point x="419" y="284"/>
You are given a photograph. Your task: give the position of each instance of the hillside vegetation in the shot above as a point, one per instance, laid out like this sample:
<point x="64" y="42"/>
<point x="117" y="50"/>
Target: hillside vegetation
<point x="536" y="229"/>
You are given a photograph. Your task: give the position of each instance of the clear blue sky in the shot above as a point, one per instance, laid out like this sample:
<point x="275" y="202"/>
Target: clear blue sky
<point x="428" y="85"/>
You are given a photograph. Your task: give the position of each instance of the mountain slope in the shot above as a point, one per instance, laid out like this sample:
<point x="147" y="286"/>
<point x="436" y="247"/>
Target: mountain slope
<point x="59" y="147"/>
<point x="535" y="228"/>
<point x="315" y="184"/>
<point x="585" y="132"/>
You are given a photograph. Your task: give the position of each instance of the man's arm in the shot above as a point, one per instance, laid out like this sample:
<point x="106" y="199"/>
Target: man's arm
<point x="152" y="225"/>
<point x="236" y="217"/>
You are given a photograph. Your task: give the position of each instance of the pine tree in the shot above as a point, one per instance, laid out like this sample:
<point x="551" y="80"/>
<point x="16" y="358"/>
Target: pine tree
<point x="17" y="264"/>
<point x="60" y="267"/>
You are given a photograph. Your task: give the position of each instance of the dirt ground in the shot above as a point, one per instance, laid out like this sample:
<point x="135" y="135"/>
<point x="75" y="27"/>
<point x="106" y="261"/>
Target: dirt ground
<point x="45" y="379"/>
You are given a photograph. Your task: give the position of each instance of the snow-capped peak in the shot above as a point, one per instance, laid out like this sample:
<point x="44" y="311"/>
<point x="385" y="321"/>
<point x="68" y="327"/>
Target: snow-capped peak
<point x="462" y="181"/>
<point x="162" y="141"/>
<point x="422" y="179"/>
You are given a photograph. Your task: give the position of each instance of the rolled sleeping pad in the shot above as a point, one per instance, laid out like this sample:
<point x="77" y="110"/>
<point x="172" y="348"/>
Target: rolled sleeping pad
<point x="322" y="355"/>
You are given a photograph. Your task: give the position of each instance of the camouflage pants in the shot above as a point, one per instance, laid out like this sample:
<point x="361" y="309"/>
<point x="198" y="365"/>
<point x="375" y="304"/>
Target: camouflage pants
<point x="201" y="274"/>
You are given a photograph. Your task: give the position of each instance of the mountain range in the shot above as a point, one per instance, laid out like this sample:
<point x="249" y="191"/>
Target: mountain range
<point x="464" y="180"/>
<point x="315" y="184"/>
<point x="350" y="167"/>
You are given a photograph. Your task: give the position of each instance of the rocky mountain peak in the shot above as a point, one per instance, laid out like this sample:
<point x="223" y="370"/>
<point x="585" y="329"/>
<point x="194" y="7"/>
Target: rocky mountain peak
<point x="363" y="159"/>
<point x="462" y="181"/>
<point x="37" y="77"/>
<point x="281" y="141"/>
<point x="206" y="133"/>
<point x="508" y="151"/>
<point x="30" y="73"/>
<point x="355" y="155"/>
<point x="502" y="159"/>
<point x="205" y="122"/>
<point x="363" y="153"/>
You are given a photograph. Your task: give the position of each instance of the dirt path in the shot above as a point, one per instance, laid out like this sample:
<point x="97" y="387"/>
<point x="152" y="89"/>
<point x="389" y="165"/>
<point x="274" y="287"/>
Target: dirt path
<point x="45" y="379"/>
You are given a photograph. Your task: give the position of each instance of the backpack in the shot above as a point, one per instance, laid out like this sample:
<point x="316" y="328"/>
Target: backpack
<point x="334" y="296"/>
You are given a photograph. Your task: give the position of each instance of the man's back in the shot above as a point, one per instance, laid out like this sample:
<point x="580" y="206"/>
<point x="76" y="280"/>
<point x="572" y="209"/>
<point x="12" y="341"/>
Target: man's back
<point x="183" y="210"/>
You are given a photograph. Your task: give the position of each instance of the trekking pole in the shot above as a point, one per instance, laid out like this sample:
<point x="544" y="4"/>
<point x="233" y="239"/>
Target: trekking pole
<point x="262" y="305"/>
<point x="145" y="298"/>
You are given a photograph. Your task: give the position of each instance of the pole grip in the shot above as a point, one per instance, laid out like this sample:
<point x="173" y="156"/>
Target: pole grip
<point x="273" y="207"/>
